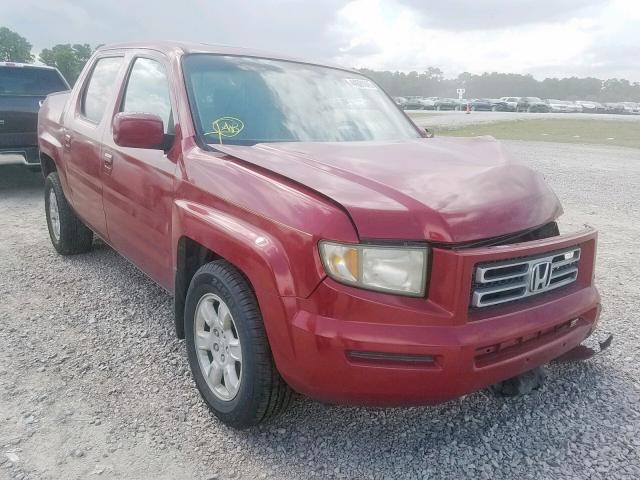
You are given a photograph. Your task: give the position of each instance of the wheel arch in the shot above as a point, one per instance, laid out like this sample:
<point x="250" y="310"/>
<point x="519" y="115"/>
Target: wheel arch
<point x="48" y="164"/>
<point x="207" y="234"/>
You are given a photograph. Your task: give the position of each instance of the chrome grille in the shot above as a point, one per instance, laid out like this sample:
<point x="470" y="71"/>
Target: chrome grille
<point x="510" y="280"/>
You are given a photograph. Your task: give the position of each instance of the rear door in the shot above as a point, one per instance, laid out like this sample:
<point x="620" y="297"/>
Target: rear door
<point x="138" y="183"/>
<point x="85" y="124"/>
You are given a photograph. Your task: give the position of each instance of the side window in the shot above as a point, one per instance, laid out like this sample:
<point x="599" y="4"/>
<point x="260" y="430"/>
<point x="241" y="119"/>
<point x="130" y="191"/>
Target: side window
<point x="148" y="91"/>
<point x="100" y="85"/>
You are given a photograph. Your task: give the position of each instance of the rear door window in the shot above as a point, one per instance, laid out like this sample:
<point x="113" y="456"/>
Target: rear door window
<point x="148" y="91"/>
<point x="99" y="88"/>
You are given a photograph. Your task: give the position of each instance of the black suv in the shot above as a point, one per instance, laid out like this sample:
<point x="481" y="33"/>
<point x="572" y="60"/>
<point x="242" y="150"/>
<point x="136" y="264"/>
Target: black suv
<point x="532" y="104"/>
<point x="23" y="88"/>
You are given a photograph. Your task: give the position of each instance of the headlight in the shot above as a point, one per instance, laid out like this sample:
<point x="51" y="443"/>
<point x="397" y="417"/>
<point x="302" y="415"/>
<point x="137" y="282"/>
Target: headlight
<point x="401" y="270"/>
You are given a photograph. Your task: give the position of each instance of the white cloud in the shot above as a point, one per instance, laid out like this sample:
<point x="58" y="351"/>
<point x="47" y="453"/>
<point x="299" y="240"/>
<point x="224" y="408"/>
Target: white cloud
<point x="396" y="38"/>
<point x="542" y="37"/>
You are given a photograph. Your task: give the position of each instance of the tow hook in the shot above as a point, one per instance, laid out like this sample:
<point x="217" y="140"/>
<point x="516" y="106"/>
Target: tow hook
<point x="582" y="352"/>
<point x="522" y="384"/>
<point x="533" y="379"/>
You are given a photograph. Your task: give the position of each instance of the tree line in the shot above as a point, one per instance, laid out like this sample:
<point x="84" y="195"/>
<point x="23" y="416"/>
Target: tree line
<point x="431" y="83"/>
<point x="70" y="58"/>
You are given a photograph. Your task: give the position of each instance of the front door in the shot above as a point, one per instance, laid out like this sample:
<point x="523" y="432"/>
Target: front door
<point x="138" y="183"/>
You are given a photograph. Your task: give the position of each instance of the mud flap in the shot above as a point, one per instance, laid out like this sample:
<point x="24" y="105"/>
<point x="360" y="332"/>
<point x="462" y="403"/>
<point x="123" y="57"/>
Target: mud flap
<point x="582" y="352"/>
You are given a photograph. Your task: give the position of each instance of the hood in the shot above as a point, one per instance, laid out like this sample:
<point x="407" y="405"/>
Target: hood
<point x="438" y="189"/>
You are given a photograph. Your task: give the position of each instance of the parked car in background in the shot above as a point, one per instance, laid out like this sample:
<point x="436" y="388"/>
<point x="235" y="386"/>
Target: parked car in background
<point x="462" y="103"/>
<point x="400" y="101"/>
<point x="498" y="105"/>
<point x="573" y="107"/>
<point x="23" y="87"/>
<point x="613" y="107"/>
<point x="480" y="105"/>
<point x="562" y="106"/>
<point x="512" y="102"/>
<point x="445" y="103"/>
<point x="532" y="104"/>
<point x="588" y="106"/>
<point x="300" y="258"/>
<point x="631" y="108"/>
<point x="418" y="103"/>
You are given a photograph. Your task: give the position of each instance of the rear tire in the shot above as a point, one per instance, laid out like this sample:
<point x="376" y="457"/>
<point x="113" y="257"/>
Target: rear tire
<point x="68" y="234"/>
<point x="242" y="388"/>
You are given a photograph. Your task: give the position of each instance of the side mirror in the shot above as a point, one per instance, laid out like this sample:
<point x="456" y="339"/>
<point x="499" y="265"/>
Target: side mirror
<point x="138" y="130"/>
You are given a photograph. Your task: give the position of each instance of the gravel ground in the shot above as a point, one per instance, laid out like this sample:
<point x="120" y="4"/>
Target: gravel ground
<point x="93" y="383"/>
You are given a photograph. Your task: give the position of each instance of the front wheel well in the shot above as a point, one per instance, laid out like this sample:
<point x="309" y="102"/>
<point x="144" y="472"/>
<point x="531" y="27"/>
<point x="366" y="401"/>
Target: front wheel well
<point x="191" y="256"/>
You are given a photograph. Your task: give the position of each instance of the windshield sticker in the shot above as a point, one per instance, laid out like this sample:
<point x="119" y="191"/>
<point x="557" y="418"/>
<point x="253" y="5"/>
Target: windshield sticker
<point x="226" y="127"/>
<point x="361" y="83"/>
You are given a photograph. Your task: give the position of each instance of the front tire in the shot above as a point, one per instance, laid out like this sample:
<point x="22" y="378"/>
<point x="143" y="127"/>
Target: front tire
<point x="228" y="349"/>
<point x="68" y="234"/>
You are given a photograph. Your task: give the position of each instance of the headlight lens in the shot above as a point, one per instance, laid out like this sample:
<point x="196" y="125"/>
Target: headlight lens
<point x="390" y="269"/>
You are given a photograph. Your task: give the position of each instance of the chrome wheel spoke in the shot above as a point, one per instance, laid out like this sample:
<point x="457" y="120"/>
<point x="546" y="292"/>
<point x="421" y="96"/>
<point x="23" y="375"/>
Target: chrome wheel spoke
<point x="235" y="350"/>
<point x="224" y="316"/>
<point x="208" y="313"/>
<point x="203" y="340"/>
<point x="215" y="374"/>
<point x="231" y="380"/>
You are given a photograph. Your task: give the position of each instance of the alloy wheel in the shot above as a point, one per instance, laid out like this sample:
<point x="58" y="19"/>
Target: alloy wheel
<point x="54" y="215"/>
<point x="218" y="347"/>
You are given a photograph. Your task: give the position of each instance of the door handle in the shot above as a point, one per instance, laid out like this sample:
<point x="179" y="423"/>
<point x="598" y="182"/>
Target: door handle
<point x="108" y="161"/>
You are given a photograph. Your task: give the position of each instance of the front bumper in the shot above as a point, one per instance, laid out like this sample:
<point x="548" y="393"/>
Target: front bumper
<point x="469" y="349"/>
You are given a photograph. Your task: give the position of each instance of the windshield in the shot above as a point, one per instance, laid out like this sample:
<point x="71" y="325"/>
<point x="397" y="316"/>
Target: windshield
<point x="30" y="81"/>
<point x="244" y="100"/>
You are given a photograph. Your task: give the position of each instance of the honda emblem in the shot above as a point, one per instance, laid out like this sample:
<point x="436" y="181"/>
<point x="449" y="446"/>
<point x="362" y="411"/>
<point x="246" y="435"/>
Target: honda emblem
<point x="540" y="276"/>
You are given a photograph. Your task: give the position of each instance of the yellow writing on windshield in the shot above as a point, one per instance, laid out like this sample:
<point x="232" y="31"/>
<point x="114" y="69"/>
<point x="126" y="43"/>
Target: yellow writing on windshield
<point x="226" y="127"/>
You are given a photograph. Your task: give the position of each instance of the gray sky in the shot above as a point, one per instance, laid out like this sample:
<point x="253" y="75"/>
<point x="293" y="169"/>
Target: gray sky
<point x="544" y="37"/>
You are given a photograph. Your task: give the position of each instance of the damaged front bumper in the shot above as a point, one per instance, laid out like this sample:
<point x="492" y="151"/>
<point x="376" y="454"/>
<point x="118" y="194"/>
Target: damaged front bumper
<point x="583" y="352"/>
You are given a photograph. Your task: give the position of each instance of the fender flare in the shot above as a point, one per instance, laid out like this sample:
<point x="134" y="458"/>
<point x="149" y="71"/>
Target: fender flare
<point x="51" y="147"/>
<point x="259" y="256"/>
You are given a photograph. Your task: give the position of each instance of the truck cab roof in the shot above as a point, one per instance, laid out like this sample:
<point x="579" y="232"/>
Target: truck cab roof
<point x="171" y="48"/>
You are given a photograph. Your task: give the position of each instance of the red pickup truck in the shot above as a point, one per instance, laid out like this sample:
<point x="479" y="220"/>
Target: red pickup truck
<point x="314" y="239"/>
